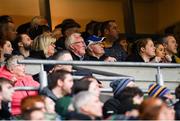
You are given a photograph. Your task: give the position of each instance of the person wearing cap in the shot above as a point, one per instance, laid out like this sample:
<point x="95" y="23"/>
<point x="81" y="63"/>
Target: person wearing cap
<point x="158" y="91"/>
<point x="111" y="106"/>
<point x="95" y="50"/>
<point x="163" y="93"/>
<point x="63" y="106"/>
<point x="119" y="85"/>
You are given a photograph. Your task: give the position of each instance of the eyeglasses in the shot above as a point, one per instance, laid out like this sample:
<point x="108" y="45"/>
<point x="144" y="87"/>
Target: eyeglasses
<point x="79" y="42"/>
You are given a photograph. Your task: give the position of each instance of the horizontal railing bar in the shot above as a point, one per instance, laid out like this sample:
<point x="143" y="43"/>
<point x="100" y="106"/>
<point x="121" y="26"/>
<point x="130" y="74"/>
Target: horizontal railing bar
<point x="106" y="78"/>
<point x="119" y="77"/>
<point x="26" y="88"/>
<point x="100" y="63"/>
<point x="109" y="90"/>
<point x="105" y="90"/>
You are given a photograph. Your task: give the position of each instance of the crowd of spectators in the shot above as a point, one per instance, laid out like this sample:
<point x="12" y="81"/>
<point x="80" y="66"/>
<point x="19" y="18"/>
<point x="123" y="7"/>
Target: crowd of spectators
<point x="68" y="99"/>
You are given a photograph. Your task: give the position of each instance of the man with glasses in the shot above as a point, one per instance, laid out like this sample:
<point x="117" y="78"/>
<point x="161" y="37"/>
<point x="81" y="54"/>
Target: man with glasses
<point x="75" y="44"/>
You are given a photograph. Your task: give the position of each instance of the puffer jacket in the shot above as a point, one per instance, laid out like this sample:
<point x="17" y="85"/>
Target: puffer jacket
<point x="26" y="80"/>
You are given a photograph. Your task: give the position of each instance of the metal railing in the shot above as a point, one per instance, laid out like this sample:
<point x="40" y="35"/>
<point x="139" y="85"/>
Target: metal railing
<point x="43" y="74"/>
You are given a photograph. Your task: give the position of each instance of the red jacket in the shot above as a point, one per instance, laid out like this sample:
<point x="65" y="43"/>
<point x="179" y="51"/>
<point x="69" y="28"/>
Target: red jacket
<point x="19" y="95"/>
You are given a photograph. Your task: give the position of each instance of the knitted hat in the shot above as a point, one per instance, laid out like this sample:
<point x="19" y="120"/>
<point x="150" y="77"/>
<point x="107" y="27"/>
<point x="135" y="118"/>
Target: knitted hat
<point x="119" y="85"/>
<point x="62" y="105"/>
<point x="156" y="90"/>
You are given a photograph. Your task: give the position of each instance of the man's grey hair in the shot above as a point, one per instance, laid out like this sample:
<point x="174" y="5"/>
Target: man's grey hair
<point x="81" y="99"/>
<point x="13" y="61"/>
<point x="70" y="40"/>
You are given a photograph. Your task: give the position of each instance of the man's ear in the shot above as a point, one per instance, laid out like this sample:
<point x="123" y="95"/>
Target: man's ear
<point x="142" y="49"/>
<point x="84" y="109"/>
<point x="20" y="44"/>
<point x="60" y="83"/>
<point x="71" y="47"/>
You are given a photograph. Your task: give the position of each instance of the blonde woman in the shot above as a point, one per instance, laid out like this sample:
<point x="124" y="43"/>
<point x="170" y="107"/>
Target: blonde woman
<point x="43" y="47"/>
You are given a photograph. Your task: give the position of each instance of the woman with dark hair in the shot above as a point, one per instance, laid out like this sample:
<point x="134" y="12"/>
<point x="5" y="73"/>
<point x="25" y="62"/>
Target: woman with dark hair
<point x="160" y="53"/>
<point x="5" y="50"/>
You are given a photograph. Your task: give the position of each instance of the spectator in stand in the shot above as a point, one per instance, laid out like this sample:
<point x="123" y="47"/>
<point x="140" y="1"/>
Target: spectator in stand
<point x="38" y="20"/>
<point x="24" y="28"/>
<point x="60" y="84"/>
<point x="110" y="31"/>
<point x="124" y="43"/>
<point x="160" y="54"/>
<point x="155" y="109"/>
<point x="5" y="50"/>
<point x="111" y="106"/>
<point x="43" y="47"/>
<point x="6" y="18"/>
<point x="162" y="92"/>
<point x="6" y="92"/>
<point x="87" y="104"/>
<point x="85" y="84"/>
<point x="69" y="26"/>
<point x="112" y="43"/>
<point x="95" y="50"/>
<point x="38" y="30"/>
<point x="177" y="104"/>
<point x="35" y="107"/>
<point x="97" y="29"/>
<point x="7" y="28"/>
<point x="63" y="55"/>
<point x="89" y="30"/>
<point x="119" y="50"/>
<point x="34" y="114"/>
<point x="57" y="32"/>
<point x="31" y="102"/>
<point x="156" y="90"/>
<point x="130" y="98"/>
<point x="22" y="45"/>
<point x="93" y="79"/>
<point x="35" y="27"/>
<point x="16" y="72"/>
<point x="75" y="44"/>
<point x="170" y="46"/>
<point x="144" y="51"/>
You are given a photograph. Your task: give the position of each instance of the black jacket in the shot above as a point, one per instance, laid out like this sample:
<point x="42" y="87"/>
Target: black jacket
<point x="47" y="92"/>
<point x="92" y="58"/>
<point x="111" y="107"/>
